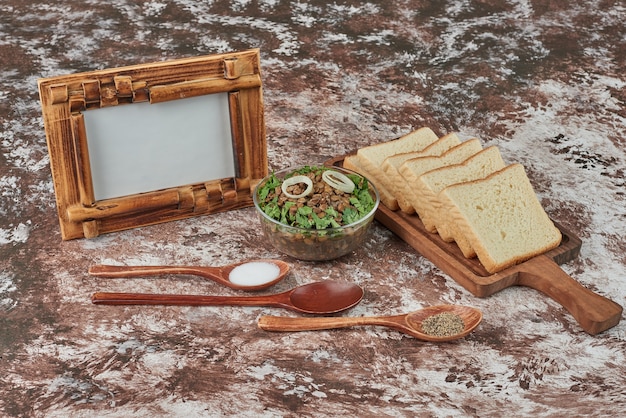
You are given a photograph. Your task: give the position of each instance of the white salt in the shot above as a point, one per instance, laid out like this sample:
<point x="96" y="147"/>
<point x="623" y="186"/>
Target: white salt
<point x="254" y="273"/>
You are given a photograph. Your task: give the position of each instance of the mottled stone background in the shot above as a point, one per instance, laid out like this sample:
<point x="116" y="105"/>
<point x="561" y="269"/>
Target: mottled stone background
<point x="543" y="80"/>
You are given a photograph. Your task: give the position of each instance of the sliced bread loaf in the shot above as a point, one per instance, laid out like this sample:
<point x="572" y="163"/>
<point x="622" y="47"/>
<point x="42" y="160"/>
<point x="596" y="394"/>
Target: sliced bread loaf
<point x="353" y="163"/>
<point x="429" y="184"/>
<point x="412" y="169"/>
<point x="372" y="157"/>
<point x="391" y="165"/>
<point x="501" y="217"/>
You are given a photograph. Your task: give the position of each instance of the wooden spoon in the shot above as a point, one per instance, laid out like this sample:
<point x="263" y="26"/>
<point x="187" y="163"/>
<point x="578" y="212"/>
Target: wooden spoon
<point x="218" y="274"/>
<point x="410" y="323"/>
<point x="323" y="297"/>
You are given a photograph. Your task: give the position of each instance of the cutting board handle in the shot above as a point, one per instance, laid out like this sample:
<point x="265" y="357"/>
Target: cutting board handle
<point x="593" y="312"/>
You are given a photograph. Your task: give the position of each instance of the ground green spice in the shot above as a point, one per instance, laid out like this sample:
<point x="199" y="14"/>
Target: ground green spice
<point x="443" y="324"/>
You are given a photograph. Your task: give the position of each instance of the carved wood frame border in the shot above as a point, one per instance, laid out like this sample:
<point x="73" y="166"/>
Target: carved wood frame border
<point x="65" y="98"/>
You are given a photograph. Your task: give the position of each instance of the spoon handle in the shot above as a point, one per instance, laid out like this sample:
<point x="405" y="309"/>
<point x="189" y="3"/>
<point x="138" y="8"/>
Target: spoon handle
<point x="284" y="323"/>
<point x="102" y="270"/>
<point x="106" y="298"/>
<point x="594" y="312"/>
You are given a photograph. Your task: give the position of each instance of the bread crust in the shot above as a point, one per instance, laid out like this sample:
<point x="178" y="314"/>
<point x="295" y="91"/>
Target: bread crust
<point x="352" y="162"/>
<point x="502" y="218"/>
<point x="412" y="169"/>
<point x="480" y="165"/>
<point x="372" y="157"/>
<point x="392" y="166"/>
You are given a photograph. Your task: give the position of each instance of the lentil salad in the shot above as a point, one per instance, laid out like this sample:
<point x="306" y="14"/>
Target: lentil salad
<point x="323" y="206"/>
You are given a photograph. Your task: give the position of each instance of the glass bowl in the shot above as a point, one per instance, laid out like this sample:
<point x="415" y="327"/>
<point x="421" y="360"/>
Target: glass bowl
<point x="314" y="244"/>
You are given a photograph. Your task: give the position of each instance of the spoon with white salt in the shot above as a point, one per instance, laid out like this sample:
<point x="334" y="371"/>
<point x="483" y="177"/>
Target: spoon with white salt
<point x="246" y="275"/>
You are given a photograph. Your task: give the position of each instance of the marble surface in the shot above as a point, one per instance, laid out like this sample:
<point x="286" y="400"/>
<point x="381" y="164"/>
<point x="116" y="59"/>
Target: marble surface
<point x="543" y="80"/>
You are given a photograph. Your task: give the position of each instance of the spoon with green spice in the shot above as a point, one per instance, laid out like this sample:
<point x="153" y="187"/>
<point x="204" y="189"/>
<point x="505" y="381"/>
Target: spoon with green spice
<point x="435" y="323"/>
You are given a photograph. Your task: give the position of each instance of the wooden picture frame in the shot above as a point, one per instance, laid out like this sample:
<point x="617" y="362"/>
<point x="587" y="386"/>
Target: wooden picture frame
<point x="67" y="101"/>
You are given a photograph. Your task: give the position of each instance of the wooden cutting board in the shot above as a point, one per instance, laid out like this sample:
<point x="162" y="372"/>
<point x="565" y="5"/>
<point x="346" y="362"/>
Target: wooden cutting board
<point x="593" y="312"/>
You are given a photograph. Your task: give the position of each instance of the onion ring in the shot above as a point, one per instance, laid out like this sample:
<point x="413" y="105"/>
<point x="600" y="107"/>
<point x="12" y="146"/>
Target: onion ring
<point x="338" y="180"/>
<point x="295" y="180"/>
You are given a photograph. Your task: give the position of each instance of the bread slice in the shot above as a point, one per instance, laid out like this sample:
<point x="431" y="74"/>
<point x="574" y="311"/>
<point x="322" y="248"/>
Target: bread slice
<point x="502" y="218"/>
<point x="412" y="169"/>
<point x="371" y="158"/>
<point x="429" y="184"/>
<point x="352" y="162"/>
<point x="391" y="165"/>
